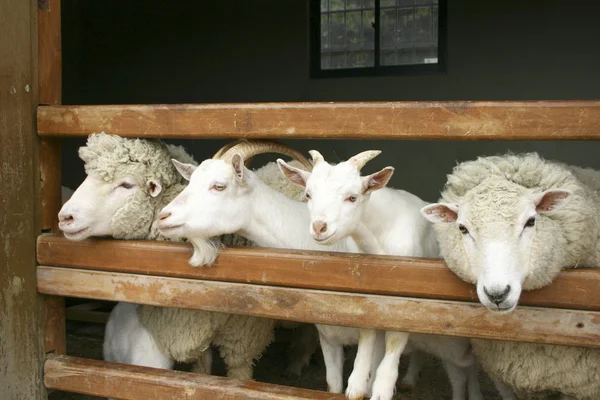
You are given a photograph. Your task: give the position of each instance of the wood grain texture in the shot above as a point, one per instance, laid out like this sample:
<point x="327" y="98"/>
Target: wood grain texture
<point x="50" y="181"/>
<point x="400" y="276"/>
<point x="526" y="324"/>
<point x="21" y="313"/>
<point x="49" y="53"/>
<point x="129" y="382"/>
<point x="544" y="120"/>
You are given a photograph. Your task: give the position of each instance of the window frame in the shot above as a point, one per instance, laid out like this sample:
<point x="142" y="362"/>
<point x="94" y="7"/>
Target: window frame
<point x="316" y="72"/>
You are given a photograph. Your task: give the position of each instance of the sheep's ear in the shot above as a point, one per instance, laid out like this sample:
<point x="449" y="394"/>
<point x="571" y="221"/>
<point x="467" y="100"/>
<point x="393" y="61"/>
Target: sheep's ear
<point x="154" y="187"/>
<point x="186" y="170"/>
<point x="550" y="200"/>
<point x="377" y="180"/>
<point x="295" y="175"/>
<point x="440" y="212"/>
<point x="238" y="166"/>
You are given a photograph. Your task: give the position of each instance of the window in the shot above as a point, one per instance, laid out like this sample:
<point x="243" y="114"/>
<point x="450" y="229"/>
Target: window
<point x="377" y="37"/>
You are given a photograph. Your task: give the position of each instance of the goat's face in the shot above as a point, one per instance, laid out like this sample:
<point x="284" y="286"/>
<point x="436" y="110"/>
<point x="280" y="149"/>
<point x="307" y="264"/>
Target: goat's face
<point x="91" y="208"/>
<point x="336" y="196"/>
<point x="213" y="203"/>
<point x="498" y="221"/>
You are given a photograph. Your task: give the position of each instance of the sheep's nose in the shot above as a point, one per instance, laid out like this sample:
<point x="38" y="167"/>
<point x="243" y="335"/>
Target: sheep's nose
<point x="320" y="226"/>
<point x="65" y="218"/>
<point x="497" y="296"/>
<point x="163" y="215"/>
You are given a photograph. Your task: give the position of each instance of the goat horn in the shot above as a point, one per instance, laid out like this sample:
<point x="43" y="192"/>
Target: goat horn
<point x="251" y="148"/>
<point x="228" y="146"/>
<point x="362" y="158"/>
<point x="316" y="157"/>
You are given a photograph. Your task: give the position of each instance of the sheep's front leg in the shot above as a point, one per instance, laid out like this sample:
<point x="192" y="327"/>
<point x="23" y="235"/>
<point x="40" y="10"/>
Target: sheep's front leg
<point x="357" y="383"/>
<point x="387" y="372"/>
<point x="204" y="364"/>
<point x="458" y="379"/>
<point x="333" y="355"/>
<point x="415" y="363"/>
<point x="505" y="392"/>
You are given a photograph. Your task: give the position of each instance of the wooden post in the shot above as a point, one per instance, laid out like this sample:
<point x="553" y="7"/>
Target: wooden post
<point x="50" y="93"/>
<point x="21" y="351"/>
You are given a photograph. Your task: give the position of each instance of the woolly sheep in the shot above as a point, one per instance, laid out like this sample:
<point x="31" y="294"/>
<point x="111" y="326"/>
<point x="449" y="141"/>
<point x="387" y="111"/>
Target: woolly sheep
<point x="128" y="182"/>
<point x="513" y="222"/>
<point x="381" y="220"/>
<point x="224" y="197"/>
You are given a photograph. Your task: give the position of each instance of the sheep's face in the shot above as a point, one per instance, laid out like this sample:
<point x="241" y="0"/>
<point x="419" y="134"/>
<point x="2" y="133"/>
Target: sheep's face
<point x="497" y="223"/>
<point x="90" y="210"/>
<point x="336" y="195"/>
<point x="214" y="202"/>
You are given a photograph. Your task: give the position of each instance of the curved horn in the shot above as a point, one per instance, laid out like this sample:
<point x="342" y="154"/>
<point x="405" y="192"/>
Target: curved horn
<point x="251" y="148"/>
<point x="228" y="146"/>
<point x="362" y="158"/>
<point x="316" y="157"/>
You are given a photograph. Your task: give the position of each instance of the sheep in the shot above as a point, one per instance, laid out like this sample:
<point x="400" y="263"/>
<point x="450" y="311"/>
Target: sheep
<point x="513" y="222"/>
<point x="224" y="197"/>
<point x="381" y="220"/>
<point x="128" y="182"/>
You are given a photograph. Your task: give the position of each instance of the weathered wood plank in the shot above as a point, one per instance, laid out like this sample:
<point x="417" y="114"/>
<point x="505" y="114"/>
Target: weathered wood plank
<point x="412" y="277"/>
<point x="50" y="92"/>
<point x="49" y="53"/>
<point x="465" y="120"/>
<point x="527" y="324"/>
<point x="21" y="326"/>
<point x="129" y="382"/>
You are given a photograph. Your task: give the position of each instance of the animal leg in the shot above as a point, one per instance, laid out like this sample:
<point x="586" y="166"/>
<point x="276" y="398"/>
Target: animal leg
<point x="333" y="354"/>
<point x="387" y="372"/>
<point x="357" y="383"/>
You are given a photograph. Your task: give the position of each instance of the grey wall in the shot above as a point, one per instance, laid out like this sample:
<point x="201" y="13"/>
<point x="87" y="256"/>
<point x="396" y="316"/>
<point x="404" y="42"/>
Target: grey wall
<point x="248" y="51"/>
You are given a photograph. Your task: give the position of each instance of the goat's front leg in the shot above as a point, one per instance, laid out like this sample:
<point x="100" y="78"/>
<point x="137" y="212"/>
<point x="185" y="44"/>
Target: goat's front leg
<point x="378" y="353"/>
<point x="387" y="372"/>
<point x="333" y="355"/>
<point x="357" y="383"/>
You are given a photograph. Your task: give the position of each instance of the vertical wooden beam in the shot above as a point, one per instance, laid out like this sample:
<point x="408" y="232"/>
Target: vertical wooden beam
<point x="21" y="350"/>
<point x="50" y="93"/>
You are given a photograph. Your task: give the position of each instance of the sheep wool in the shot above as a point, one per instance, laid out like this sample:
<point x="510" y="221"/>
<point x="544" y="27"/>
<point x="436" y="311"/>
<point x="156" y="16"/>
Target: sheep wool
<point x="565" y="238"/>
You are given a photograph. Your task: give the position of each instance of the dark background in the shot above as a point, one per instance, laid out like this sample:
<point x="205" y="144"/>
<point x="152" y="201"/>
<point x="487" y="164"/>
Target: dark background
<point x="257" y="51"/>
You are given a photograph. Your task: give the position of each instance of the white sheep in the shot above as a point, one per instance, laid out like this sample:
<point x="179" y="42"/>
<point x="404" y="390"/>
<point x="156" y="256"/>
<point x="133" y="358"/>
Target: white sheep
<point x="225" y="197"/>
<point x="513" y="222"/>
<point x="381" y="220"/>
<point x="128" y="182"/>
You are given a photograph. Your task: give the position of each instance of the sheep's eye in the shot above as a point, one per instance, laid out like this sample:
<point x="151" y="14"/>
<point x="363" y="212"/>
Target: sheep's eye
<point x="219" y="187"/>
<point x="308" y="196"/>
<point x="126" y="185"/>
<point x="351" y="199"/>
<point x="530" y="222"/>
<point x="463" y="229"/>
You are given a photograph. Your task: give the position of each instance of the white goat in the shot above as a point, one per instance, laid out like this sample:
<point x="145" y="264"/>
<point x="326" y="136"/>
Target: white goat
<point x="225" y="197"/>
<point x="381" y="220"/>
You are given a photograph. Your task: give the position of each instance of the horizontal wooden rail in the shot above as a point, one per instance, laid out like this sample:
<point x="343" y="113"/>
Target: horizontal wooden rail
<point x="130" y="382"/>
<point x="412" y="277"/>
<point x="465" y="120"/>
<point x="527" y="324"/>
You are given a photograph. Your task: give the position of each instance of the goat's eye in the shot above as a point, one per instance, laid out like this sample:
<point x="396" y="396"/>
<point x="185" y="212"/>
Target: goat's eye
<point x="463" y="229"/>
<point x="219" y="187"/>
<point x="126" y="185"/>
<point x="530" y="222"/>
<point x="351" y="199"/>
<point x="308" y="196"/>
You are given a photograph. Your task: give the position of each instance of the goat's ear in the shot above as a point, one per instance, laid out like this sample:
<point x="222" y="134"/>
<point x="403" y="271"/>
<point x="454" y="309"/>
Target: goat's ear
<point x="154" y="187"/>
<point x="238" y="166"/>
<point x="295" y="175"/>
<point x="550" y="200"/>
<point x="440" y="212"/>
<point x="377" y="180"/>
<point x="186" y="170"/>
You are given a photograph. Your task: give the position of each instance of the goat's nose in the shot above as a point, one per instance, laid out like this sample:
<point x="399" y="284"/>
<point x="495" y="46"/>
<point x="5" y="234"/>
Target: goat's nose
<point x="497" y="296"/>
<point x="163" y="215"/>
<point x="320" y="226"/>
